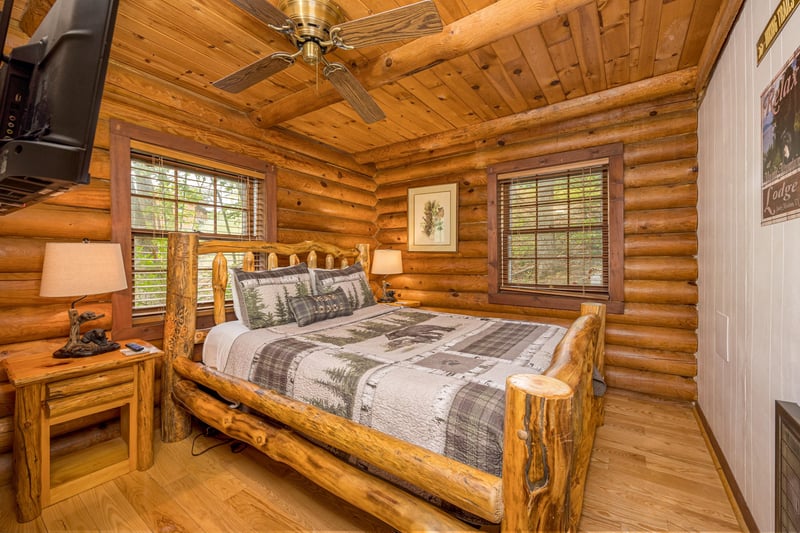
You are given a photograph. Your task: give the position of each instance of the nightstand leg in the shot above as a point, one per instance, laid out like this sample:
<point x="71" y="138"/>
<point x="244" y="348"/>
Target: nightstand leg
<point x="27" y="452"/>
<point x="144" y="414"/>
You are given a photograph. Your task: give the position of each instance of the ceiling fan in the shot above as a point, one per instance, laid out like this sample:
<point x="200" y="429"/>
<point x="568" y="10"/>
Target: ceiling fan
<point x="317" y="27"/>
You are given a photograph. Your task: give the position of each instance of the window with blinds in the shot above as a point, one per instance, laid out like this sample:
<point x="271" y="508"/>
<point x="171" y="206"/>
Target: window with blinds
<point x="171" y="195"/>
<point x="553" y="232"/>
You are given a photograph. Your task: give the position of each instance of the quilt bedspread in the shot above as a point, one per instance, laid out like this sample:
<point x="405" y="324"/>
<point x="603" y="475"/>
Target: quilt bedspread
<point x="433" y="379"/>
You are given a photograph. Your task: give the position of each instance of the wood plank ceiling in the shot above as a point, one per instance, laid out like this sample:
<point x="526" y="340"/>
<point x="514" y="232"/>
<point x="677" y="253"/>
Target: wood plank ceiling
<point x="493" y="60"/>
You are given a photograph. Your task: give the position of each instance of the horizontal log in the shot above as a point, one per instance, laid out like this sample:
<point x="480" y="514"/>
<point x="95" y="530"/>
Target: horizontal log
<point x="300" y="220"/>
<point x="661" y="173"/>
<point x="661" y="292"/>
<point x="465" y="249"/>
<point x="465" y="180"/>
<point x="291" y="235"/>
<point x="651" y="128"/>
<point x="315" y="206"/>
<point x="658" y="149"/>
<point x="664" y="385"/>
<point x="678" y="220"/>
<point x="671" y="244"/>
<point x="18" y="254"/>
<point x="464" y="486"/>
<point x="663" y="315"/>
<point x="661" y="197"/>
<point x="444" y="265"/>
<point x="467" y="214"/>
<point x="39" y="221"/>
<point x="26" y="292"/>
<point x="95" y="195"/>
<point x="668" y="268"/>
<point x="30" y="323"/>
<point x="311" y="184"/>
<point x="652" y="338"/>
<point x="440" y="283"/>
<point x="658" y="361"/>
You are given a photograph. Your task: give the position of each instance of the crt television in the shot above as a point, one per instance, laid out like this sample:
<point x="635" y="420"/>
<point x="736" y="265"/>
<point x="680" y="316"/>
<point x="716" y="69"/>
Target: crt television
<point x="50" y="92"/>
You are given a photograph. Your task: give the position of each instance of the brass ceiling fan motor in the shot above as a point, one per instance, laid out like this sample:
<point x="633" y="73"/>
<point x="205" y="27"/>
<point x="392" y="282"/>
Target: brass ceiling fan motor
<point x="317" y="27"/>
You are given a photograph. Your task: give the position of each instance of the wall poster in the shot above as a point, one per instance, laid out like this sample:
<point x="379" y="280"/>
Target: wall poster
<point x="780" y="145"/>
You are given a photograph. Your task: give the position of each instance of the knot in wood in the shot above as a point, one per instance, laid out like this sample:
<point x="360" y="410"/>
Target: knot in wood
<point x="522" y="434"/>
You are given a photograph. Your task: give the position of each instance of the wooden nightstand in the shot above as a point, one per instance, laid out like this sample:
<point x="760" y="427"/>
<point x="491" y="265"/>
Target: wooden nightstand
<point x="406" y="303"/>
<point x="50" y="391"/>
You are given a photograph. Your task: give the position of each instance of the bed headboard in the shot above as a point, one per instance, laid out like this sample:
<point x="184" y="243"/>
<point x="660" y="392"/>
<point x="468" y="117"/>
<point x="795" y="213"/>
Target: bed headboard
<point x="309" y="251"/>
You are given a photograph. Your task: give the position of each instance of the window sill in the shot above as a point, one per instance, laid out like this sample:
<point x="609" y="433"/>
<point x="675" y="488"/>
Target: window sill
<point x="547" y="301"/>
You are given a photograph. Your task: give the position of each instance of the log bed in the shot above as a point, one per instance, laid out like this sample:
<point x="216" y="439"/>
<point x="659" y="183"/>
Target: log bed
<point x="549" y="425"/>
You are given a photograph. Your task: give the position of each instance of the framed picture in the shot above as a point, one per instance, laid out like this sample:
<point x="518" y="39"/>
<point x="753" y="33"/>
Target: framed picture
<point x="433" y="218"/>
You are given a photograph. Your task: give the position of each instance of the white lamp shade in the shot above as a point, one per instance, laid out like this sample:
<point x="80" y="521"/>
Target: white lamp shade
<point x="387" y="262"/>
<point x="80" y="269"/>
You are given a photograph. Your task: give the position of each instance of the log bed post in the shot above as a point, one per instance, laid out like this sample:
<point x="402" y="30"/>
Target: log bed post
<point x="179" y="329"/>
<point x="550" y="421"/>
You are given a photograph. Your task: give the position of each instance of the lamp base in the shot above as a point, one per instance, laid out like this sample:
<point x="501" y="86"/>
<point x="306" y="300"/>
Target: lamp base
<point x="84" y="349"/>
<point x="93" y="342"/>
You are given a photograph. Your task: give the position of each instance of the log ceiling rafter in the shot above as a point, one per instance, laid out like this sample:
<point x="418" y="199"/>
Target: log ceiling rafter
<point x="34" y="12"/>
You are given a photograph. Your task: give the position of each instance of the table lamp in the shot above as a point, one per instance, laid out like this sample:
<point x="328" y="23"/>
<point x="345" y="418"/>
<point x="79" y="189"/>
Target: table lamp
<point x="81" y="269"/>
<point x="387" y="262"/>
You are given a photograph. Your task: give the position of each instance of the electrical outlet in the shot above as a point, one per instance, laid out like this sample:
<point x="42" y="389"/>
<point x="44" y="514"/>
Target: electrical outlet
<point x="721" y="336"/>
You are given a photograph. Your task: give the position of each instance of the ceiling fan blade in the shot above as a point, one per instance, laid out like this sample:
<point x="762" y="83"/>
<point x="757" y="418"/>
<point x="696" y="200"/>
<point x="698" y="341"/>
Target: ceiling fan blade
<point x="352" y="91"/>
<point x="255" y="72"/>
<point x="263" y="11"/>
<point x="405" y="22"/>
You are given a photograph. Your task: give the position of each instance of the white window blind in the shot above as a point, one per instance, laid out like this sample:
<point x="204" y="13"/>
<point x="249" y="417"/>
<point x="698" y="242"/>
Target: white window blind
<point x="171" y="195"/>
<point x="553" y="230"/>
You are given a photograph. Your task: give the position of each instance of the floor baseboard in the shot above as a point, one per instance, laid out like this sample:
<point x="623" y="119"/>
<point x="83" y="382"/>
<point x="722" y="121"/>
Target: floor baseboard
<point x="738" y="502"/>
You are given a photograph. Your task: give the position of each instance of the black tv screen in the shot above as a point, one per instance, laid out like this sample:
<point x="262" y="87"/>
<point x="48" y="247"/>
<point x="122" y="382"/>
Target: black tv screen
<point x="51" y="90"/>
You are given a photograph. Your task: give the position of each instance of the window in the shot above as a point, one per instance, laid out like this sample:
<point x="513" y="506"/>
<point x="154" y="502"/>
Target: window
<point x="555" y="230"/>
<point x="162" y="184"/>
<point x="169" y="195"/>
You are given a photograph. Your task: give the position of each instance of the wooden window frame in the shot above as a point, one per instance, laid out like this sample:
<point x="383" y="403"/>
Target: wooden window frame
<point x="122" y="136"/>
<point x="615" y="298"/>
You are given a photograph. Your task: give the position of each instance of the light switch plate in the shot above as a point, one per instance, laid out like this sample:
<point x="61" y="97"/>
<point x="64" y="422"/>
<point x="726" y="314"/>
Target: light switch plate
<point x="722" y="336"/>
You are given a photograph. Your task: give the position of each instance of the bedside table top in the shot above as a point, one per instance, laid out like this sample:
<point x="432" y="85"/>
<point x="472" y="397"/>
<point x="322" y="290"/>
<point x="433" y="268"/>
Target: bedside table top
<point x="33" y="367"/>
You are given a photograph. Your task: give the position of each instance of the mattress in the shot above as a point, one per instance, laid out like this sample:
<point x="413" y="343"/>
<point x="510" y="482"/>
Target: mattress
<point x="433" y="379"/>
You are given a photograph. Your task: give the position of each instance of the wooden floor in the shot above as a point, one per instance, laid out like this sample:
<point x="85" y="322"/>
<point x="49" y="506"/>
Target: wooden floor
<point x="651" y="471"/>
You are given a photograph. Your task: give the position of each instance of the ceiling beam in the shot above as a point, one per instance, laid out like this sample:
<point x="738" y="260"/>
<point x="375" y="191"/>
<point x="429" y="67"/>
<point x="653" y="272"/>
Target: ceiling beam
<point x="625" y="95"/>
<point x="505" y="17"/>
<point x="33" y="15"/>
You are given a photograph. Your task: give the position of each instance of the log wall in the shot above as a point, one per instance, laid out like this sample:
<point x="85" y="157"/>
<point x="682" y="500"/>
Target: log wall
<point x="312" y="181"/>
<point x="651" y="346"/>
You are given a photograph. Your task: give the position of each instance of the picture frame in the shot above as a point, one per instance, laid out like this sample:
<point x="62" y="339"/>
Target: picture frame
<point x="433" y="218"/>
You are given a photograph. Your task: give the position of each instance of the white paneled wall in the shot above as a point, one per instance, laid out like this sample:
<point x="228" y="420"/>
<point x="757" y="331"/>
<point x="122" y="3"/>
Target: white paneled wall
<point x="747" y="272"/>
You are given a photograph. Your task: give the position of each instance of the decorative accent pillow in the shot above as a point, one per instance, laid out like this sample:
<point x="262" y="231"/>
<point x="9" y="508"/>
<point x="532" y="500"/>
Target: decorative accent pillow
<point x="264" y="295"/>
<point x="352" y="280"/>
<point x="310" y="309"/>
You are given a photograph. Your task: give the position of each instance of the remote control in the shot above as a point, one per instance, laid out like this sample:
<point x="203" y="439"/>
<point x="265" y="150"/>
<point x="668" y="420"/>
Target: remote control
<point x="135" y="347"/>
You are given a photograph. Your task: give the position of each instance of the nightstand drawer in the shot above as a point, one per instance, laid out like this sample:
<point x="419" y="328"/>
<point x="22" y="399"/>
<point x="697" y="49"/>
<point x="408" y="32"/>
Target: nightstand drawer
<point x="88" y="400"/>
<point x="81" y="384"/>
